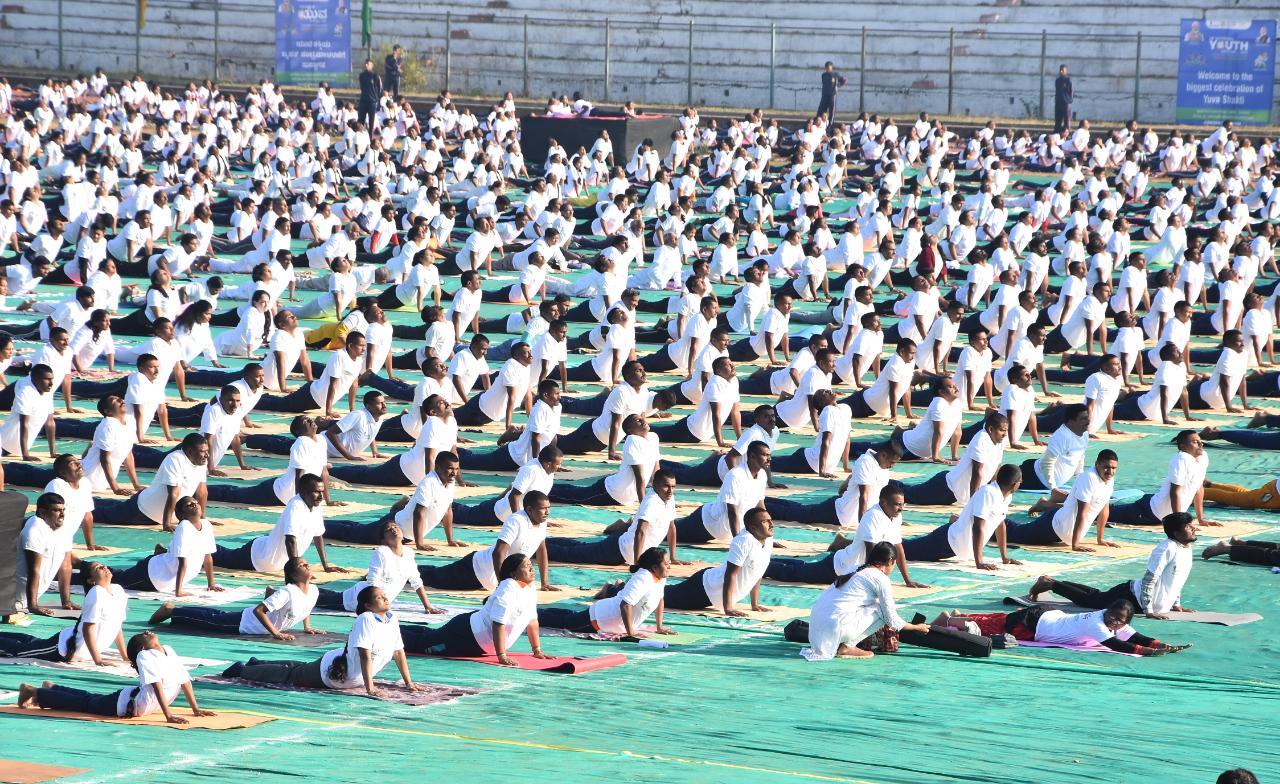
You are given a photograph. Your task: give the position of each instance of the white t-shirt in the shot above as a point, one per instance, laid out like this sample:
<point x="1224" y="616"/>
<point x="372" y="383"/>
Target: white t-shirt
<point x="1232" y="366"/>
<point x="657" y="515"/>
<point x="308" y="455"/>
<point x="623" y="401"/>
<point x="187" y="543"/>
<point x="875" y="526"/>
<point x="751" y="556"/>
<point x="288" y="606"/>
<point x="742" y="490"/>
<point x="435" y="498"/>
<point x="356" y="431"/>
<point x="989" y="504"/>
<point x="28" y="402"/>
<point x="642" y="453"/>
<point x="1168" y="568"/>
<point x="176" y="470"/>
<point x="718" y="390"/>
<point x="642" y="592"/>
<point x="1172" y="376"/>
<point x="104" y="607"/>
<point x="1188" y="474"/>
<point x="380" y="636"/>
<point x="111" y="437"/>
<point x="522" y="538"/>
<point x="981" y="451"/>
<point x="155" y="666"/>
<point x="297" y="520"/>
<point x="1088" y="490"/>
<point x="942" y="416"/>
<point x="513" y="604"/>
<point x="1063" y="458"/>
<point x="1103" y="390"/>
<point x="894" y="371"/>
<point x="493" y="401"/>
<point x="836" y="419"/>
<point x="387" y="571"/>
<point x="1056" y="626"/>
<point x="341" y="368"/>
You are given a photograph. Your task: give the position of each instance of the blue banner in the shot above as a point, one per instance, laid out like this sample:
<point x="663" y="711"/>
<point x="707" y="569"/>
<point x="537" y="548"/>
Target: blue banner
<point x="313" y="42"/>
<point x="1226" y="71"/>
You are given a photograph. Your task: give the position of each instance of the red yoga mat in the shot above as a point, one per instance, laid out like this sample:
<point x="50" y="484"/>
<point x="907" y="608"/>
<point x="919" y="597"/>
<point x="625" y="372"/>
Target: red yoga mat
<point x="565" y="665"/>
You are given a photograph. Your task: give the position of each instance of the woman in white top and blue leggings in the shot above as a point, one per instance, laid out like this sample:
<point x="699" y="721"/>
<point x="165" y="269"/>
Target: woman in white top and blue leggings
<point x="619" y="608"/>
<point x="509" y="612"/>
<point x="373" y="643"/>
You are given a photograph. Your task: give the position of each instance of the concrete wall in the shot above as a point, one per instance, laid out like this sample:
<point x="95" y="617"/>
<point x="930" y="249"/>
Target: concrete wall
<point x="764" y="53"/>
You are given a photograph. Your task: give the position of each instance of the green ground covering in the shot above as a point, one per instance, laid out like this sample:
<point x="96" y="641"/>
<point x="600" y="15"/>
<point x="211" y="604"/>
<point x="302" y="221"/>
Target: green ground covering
<point x="737" y="704"/>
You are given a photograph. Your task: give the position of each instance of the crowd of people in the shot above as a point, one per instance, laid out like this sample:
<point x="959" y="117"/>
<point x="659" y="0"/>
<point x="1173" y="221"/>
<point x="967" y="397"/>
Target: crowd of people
<point x="941" y="276"/>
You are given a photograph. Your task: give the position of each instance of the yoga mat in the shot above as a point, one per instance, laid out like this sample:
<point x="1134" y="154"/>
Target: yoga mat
<point x="773" y="612"/>
<point x="201" y="597"/>
<point x="412" y="612"/>
<point x="228" y="720"/>
<point x="1213" y="618"/>
<point x="114" y="664"/>
<point x="563" y="665"/>
<point x="16" y="772"/>
<point x="388" y="691"/>
<point x="1092" y="647"/>
<point x="646" y="632"/>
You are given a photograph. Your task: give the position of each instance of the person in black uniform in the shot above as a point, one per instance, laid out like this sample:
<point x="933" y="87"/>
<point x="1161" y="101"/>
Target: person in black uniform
<point x="1063" y="95"/>
<point x="370" y="92"/>
<point x="832" y="80"/>
<point x="393" y="70"/>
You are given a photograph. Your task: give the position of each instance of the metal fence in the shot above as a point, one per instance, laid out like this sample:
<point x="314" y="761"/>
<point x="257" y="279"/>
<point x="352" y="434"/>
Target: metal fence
<point x="663" y="59"/>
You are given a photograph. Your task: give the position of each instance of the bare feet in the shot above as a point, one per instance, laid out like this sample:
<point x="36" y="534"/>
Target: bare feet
<point x="161" y="615"/>
<point x="1209" y="433"/>
<point x="1259" y="420"/>
<point x="838" y="543"/>
<point x="1220" y="547"/>
<point x="27" y="696"/>
<point x="853" y="652"/>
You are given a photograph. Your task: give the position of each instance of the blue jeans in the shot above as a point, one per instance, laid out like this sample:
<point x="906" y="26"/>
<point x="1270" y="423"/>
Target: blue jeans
<point x="798" y="570"/>
<point x="568" y="618"/>
<point x="562" y="549"/>
<point x="689" y="594"/>
<point x="1039" y="531"/>
<point x="65" y="698"/>
<point x="207" y="619"/>
<point x="933" y="546"/>
<point x="1134" y="513"/>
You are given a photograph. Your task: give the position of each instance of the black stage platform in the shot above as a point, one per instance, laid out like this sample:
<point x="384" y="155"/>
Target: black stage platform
<point x="572" y="132"/>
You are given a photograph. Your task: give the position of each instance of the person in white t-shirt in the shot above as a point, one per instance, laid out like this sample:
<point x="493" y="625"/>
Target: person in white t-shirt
<point x="939" y="426"/>
<point x="1088" y="502"/>
<point x="1168" y="389"/>
<point x="743" y="489"/>
<point x="626" y="540"/>
<point x="1157" y="594"/>
<point x="374" y="642"/>
<point x="1227" y="380"/>
<point x="161" y="676"/>
<point x="721" y="587"/>
<point x="830" y="448"/>
<point x="720" y="403"/>
<point x="522" y="533"/>
<point x="622" y="609"/>
<point x="641" y="454"/>
<point x="891" y="387"/>
<point x="1107" y="628"/>
<point x="189" y="552"/>
<point x="182" y="473"/>
<point x="300" y="525"/>
<point x="976" y="467"/>
<point x="340" y="378"/>
<point x="43" y="555"/>
<point x="508" y="614"/>
<point x="1182" y="489"/>
<point x="882" y="522"/>
<point x="982" y="517"/>
<point x="103" y="615"/>
<point x="283" y="609"/>
<point x="1063" y="459"/>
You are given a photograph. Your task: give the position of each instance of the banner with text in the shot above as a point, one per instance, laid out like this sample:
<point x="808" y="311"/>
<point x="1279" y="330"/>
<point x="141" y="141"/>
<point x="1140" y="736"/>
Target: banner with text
<point x="1226" y="71"/>
<point x="313" y="42"/>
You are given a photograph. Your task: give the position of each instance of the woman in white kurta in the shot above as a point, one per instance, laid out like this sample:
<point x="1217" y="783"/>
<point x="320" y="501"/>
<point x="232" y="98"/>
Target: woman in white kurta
<point x="854" y="607"/>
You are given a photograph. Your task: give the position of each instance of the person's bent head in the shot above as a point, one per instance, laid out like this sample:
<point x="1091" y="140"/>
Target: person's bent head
<point x="1180" y="527"/>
